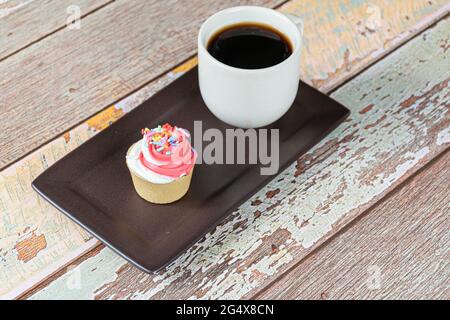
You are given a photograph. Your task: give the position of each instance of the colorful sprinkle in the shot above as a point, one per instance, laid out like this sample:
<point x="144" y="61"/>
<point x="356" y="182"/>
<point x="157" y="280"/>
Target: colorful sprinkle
<point x="163" y="138"/>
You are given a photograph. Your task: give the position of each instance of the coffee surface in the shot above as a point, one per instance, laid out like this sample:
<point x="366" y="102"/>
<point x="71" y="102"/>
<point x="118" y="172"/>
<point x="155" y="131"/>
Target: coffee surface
<point x="249" y="46"/>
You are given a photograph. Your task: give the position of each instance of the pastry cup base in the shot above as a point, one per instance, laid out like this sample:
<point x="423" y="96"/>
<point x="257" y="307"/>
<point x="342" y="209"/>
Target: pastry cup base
<point x="161" y="193"/>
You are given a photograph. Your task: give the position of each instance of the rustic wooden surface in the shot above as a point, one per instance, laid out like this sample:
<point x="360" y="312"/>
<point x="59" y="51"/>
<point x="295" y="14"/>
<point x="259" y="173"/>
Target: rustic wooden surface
<point x="399" y="249"/>
<point x="399" y="122"/>
<point x="358" y="32"/>
<point x="24" y="22"/>
<point x="154" y="36"/>
<point x="40" y="241"/>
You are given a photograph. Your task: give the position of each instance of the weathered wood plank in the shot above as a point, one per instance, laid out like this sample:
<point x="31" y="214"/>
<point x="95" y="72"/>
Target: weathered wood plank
<point x="125" y="45"/>
<point x="397" y="251"/>
<point x="358" y="33"/>
<point x="23" y="22"/>
<point x="79" y="72"/>
<point x="7" y="7"/>
<point x="399" y="122"/>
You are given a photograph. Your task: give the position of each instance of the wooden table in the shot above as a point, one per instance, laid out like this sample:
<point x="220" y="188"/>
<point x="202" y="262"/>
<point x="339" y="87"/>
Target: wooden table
<point x="364" y="214"/>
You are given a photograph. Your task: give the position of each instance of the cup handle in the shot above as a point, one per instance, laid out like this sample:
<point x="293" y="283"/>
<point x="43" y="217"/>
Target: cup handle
<point x="297" y="21"/>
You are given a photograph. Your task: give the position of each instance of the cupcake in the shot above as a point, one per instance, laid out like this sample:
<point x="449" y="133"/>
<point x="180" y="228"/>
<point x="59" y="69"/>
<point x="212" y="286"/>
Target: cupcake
<point x="161" y="164"/>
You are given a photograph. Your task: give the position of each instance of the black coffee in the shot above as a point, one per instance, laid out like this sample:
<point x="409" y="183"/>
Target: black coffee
<point x="249" y="46"/>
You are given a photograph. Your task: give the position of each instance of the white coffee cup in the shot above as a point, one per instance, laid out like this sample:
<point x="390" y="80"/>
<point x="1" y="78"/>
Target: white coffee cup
<point x="249" y="98"/>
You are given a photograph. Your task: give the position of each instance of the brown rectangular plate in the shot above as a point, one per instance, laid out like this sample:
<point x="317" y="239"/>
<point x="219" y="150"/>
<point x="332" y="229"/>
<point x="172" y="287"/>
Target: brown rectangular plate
<point x="93" y="187"/>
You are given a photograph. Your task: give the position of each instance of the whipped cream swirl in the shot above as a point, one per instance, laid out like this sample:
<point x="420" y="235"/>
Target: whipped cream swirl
<point x="163" y="155"/>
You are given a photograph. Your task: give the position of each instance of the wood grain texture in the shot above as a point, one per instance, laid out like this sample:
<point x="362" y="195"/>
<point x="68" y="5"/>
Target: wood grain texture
<point x="399" y="122"/>
<point x="399" y="250"/>
<point x="358" y="32"/>
<point x="125" y="45"/>
<point x="79" y="72"/>
<point x="8" y="7"/>
<point x="23" y="22"/>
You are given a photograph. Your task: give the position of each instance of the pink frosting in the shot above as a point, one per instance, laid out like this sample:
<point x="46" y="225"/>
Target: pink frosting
<point x="175" y="160"/>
